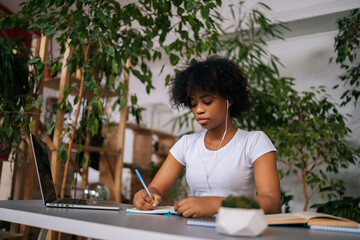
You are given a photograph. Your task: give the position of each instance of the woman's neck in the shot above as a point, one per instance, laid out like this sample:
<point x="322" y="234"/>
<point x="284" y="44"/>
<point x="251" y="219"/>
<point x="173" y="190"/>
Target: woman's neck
<point x="215" y="138"/>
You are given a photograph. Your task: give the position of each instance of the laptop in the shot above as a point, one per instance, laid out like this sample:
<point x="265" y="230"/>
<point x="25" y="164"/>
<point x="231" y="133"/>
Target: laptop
<point x="47" y="187"/>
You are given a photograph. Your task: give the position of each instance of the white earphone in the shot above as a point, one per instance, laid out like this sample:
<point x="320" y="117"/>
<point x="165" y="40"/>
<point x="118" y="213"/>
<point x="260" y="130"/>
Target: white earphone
<point x="208" y="173"/>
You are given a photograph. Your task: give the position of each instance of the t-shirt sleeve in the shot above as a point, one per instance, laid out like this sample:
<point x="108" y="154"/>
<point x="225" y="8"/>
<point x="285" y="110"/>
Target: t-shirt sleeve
<point x="178" y="150"/>
<point x="260" y="144"/>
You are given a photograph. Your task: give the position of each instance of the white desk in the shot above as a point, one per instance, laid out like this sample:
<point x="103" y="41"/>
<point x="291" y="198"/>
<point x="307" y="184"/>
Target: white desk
<point x="104" y="224"/>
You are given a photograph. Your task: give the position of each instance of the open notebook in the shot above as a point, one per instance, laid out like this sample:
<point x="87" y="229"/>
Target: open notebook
<point x="47" y="187"/>
<point x="309" y="219"/>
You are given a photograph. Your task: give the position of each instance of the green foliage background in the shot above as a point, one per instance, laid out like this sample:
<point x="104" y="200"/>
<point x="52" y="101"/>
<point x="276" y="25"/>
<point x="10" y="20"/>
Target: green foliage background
<point x="306" y="127"/>
<point x="104" y="34"/>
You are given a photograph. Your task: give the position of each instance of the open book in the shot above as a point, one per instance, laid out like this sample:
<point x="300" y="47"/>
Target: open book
<point x="163" y="210"/>
<point x="308" y="218"/>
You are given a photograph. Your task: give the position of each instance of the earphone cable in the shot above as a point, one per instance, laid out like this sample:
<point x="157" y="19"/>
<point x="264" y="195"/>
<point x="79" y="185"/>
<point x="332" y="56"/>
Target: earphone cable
<point x="222" y="139"/>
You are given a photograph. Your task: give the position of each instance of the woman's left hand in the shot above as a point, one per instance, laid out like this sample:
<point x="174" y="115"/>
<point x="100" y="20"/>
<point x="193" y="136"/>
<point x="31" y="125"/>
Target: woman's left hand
<point x="198" y="206"/>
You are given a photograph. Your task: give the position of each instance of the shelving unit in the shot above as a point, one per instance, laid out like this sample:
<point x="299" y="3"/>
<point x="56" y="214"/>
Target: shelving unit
<point x="111" y="162"/>
<point x="144" y="147"/>
<point x="143" y="150"/>
<point x="54" y="142"/>
<point x="54" y="83"/>
<point x="111" y="155"/>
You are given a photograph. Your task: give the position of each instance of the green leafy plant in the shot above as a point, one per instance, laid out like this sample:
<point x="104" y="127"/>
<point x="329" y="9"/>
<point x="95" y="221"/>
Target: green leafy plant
<point x="347" y="43"/>
<point x="104" y="35"/>
<point x="311" y="137"/>
<point x="285" y="200"/>
<point x="346" y="46"/>
<point x="240" y="202"/>
<point x="307" y="129"/>
<point x="16" y="96"/>
<point x="346" y="207"/>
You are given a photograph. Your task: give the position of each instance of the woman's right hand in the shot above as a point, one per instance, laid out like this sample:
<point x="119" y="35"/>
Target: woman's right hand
<point x="143" y="201"/>
<point x="160" y="185"/>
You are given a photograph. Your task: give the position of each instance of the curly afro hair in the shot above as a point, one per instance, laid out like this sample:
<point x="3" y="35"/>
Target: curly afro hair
<point x="216" y="75"/>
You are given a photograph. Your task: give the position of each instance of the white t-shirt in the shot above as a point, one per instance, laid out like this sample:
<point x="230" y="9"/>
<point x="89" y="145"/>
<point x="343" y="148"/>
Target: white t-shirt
<point x="228" y="171"/>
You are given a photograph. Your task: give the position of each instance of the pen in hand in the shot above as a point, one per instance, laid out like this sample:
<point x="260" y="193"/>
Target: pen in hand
<point x="143" y="183"/>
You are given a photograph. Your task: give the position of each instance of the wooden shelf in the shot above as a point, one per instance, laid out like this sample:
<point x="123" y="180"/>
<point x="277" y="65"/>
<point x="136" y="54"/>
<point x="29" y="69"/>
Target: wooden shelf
<point x="134" y="166"/>
<point x="143" y="130"/>
<point x="97" y="149"/>
<point x="54" y="84"/>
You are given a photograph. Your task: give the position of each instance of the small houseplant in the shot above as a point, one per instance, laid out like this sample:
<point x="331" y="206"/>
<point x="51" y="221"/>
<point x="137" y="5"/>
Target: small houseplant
<point x="240" y="216"/>
<point x="240" y="202"/>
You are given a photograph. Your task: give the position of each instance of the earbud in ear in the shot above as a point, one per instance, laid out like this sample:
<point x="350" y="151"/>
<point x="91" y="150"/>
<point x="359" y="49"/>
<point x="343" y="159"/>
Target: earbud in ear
<point x="227" y="104"/>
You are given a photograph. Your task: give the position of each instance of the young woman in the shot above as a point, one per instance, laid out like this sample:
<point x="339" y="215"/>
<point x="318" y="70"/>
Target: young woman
<point x="223" y="160"/>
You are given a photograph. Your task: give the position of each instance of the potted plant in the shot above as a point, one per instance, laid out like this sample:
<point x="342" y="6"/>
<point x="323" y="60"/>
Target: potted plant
<point x="240" y="216"/>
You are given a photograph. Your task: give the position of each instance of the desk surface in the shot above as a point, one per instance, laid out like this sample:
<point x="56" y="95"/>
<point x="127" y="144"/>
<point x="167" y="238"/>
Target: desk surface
<point x="104" y="224"/>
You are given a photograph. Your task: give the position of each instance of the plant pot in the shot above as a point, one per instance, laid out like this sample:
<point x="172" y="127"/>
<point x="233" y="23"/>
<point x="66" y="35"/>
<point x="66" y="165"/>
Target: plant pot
<point x="240" y="221"/>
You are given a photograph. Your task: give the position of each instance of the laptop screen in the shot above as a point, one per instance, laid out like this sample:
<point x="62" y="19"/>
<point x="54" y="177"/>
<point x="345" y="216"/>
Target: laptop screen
<point x="43" y="169"/>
